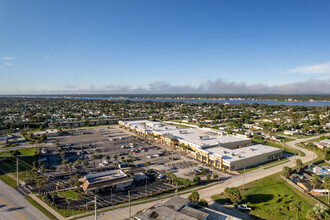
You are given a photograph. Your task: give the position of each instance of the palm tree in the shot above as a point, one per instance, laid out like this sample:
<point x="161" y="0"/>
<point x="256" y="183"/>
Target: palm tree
<point x="86" y="163"/>
<point x="53" y="168"/>
<point x="39" y="183"/>
<point x="53" y="197"/>
<point x="147" y="163"/>
<point x="69" y="202"/>
<point x="326" y="185"/>
<point x="315" y="180"/>
<point x="78" y="184"/>
<point x="71" y="167"/>
<point x="93" y="157"/>
<point x="295" y="206"/>
<point x="299" y="165"/>
<point x="193" y="197"/>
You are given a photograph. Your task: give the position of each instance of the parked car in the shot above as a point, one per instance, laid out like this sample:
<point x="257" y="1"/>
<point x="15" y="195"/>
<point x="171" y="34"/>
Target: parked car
<point x="161" y="176"/>
<point x="243" y="207"/>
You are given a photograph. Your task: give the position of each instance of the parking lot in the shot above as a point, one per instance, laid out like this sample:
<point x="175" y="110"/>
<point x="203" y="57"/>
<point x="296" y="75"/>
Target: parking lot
<point x="98" y="149"/>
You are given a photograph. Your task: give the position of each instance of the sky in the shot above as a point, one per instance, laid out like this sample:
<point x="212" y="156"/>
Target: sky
<point x="164" y="46"/>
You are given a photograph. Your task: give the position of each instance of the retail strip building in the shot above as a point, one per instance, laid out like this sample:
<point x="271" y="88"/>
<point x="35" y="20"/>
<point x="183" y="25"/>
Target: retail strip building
<point x="224" y="151"/>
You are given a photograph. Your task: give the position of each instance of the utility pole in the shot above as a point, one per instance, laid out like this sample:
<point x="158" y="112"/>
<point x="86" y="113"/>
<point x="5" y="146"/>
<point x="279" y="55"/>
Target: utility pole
<point x="129" y="203"/>
<point x="111" y="196"/>
<point x="313" y="154"/>
<point x="17" y="171"/>
<point x="95" y="207"/>
<point x="244" y="179"/>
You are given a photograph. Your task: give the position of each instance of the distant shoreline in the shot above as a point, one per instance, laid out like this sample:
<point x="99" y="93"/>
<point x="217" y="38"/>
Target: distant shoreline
<point x="219" y="100"/>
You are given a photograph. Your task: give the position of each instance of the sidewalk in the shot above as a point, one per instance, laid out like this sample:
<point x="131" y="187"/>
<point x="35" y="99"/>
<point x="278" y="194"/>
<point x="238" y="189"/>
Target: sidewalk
<point x="49" y="209"/>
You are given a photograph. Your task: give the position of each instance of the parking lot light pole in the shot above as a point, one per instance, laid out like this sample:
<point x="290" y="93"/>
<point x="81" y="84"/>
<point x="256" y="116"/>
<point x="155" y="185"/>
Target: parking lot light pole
<point x="17" y="171"/>
<point x="129" y="203"/>
<point x="111" y="196"/>
<point x="146" y="186"/>
<point x="244" y="179"/>
<point x="95" y="207"/>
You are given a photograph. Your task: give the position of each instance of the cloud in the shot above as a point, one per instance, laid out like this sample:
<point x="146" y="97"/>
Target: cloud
<point x="311" y="86"/>
<point x="8" y="64"/>
<point x="8" y="58"/>
<point x="323" y="68"/>
<point x="47" y="57"/>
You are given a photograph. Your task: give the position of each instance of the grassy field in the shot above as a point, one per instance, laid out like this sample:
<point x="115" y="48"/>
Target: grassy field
<point x="270" y="198"/>
<point x="265" y="164"/>
<point x="27" y="156"/>
<point x="8" y="180"/>
<point x="69" y="194"/>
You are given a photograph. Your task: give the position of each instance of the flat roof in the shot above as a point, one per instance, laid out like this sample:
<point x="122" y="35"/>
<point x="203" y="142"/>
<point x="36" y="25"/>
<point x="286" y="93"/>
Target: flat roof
<point x="241" y="153"/>
<point x="189" y="135"/>
<point x="105" y="176"/>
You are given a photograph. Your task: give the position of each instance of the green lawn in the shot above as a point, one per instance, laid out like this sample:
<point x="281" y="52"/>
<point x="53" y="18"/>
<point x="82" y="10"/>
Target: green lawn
<point x="265" y="164"/>
<point x="27" y="156"/>
<point x="270" y="198"/>
<point x="69" y="194"/>
<point x="8" y="180"/>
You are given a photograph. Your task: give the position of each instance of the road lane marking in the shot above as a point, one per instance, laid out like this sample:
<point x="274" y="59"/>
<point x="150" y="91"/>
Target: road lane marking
<point x="12" y="210"/>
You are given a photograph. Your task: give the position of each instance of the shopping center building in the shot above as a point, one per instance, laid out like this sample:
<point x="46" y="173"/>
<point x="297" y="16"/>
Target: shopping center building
<point x="217" y="148"/>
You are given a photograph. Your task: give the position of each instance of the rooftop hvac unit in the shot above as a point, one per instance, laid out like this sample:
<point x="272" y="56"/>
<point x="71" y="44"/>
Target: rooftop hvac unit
<point x="204" y="137"/>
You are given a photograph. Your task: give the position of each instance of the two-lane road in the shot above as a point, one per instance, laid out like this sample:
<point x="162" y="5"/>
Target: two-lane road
<point x="13" y="206"/>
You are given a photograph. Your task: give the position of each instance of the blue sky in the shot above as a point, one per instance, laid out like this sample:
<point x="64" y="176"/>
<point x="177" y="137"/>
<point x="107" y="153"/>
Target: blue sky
<point x="164" y="46"/>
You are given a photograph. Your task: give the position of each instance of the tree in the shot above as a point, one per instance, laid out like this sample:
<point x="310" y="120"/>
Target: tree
<point x="315" y="180"/>
<point x="208" y="177"/>
<point x="69" y="202"/>
<point x="317" y="213"/>
<point x="108" y="157"/>
<point x="299" y="165"/>
<point x="39" y="184"/>
<point x="16" y="153"/>
<point x="115" y="157"/>
<point x="215" y="176"/>
<point x="53" y="168"/>
<point x="93" y="157"/>
<point x="193" y="197"/>
<point x="53" y="197"/>
<point x="78" y="184"/>
<point x="203" y="203"/>
<point x="86" y="163"/>
<point x="295" y="206"/>
<point x="147" y="163"/>
<point x="286" y="171"/>
<point x="326" y="185"/>
<point x="197" y="179"/>
<point x="233" y="194"/>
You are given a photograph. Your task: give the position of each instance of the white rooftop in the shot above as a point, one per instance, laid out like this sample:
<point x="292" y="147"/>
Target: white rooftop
<point x="241" y="153"/>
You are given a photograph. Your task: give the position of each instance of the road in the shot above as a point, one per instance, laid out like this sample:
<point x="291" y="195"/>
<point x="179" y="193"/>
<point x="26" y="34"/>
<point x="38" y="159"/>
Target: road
<point x="235" y="181"/>
<point x="14" y="206"/>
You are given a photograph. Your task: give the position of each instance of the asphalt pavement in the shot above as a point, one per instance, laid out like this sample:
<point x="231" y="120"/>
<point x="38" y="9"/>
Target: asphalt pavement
<point x="206" y="193"/>
<point x="14" y="206"/>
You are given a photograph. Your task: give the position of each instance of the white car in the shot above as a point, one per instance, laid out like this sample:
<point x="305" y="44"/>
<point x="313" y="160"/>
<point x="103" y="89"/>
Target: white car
<point x="244" y="207"/>
<point x="161" y="176"/>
